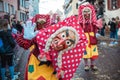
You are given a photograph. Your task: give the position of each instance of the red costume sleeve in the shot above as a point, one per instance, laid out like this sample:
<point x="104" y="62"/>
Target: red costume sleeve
<point x="23" y="42"/>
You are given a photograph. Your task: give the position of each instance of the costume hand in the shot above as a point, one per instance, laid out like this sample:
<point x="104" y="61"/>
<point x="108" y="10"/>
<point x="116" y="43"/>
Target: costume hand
<point x="29" y="32"/>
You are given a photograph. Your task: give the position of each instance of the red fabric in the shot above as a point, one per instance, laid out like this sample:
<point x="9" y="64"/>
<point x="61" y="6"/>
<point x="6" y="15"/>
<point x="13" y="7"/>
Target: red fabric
<point x="23" y="42"/>
<point x="54" y="18"/>
<point x="70" y="58"/>
<point x="119" y="24"/>
<point x="42" y="16"/>
<point x="94" y="57"/>
<point x="41" y="78"/>
<point x="99" y="23"/>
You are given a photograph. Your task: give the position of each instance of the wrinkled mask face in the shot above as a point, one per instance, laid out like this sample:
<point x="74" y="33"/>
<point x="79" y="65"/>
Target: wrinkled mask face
<point x="87" y="13"/>
<point x="63" y="40"/>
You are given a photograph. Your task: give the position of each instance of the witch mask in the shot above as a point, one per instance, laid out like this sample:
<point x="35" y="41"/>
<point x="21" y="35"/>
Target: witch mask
<point x="63" y="40"/>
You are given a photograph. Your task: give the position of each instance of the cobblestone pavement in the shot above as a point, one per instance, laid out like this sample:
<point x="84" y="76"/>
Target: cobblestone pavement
<point x="108" y="65"/>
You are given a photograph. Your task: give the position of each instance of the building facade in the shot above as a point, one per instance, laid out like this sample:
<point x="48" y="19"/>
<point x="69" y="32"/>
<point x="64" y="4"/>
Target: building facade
<point x="13" y="9"/>
<point x="8" y="8"/>
<point x="112" y="9"/>
<point x="33" y="8"/>
<point x="106" y="8"/>
<point x="22" y="12"/>
<point x="70" y="7"/>
<point x="19" y="10"/>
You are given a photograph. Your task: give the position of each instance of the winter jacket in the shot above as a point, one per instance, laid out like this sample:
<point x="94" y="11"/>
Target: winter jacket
<point x="8" y="41"/>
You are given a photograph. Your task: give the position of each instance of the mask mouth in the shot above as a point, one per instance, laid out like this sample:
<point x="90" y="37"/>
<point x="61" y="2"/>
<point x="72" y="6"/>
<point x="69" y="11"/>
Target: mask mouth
<point x="59" y="48"/>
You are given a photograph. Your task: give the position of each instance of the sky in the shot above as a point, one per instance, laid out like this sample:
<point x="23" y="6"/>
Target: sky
<point x="46" y="5"/>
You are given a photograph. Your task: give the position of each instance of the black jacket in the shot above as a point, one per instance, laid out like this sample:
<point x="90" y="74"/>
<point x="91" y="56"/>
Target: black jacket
<point x="8" y="41"/>
<point x="112" y="26"/>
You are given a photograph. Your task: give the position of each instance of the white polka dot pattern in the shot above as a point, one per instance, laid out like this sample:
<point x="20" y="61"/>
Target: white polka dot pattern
<point x="70" y="58"/>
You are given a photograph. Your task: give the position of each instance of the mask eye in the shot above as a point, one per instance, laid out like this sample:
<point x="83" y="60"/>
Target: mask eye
<point x="68" y="43"/>
<point x="55" y="41"/>
<point x="63" y="35"/>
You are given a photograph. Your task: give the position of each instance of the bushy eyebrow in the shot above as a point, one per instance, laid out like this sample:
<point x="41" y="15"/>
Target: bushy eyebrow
<point x="73" y="41"/>
<point x="67" y="33"/>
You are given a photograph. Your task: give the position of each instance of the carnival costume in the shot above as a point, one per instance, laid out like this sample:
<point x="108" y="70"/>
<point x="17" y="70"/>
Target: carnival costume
<point x="89" y="26"/>
<point x="57" y="52"/>
<point x="62" y="44"/>
<point x="89" y="23"/>
<point x="28" y="40"/>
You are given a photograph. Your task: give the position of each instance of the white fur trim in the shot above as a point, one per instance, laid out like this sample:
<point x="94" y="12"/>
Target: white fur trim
<point x="47" y="46"/>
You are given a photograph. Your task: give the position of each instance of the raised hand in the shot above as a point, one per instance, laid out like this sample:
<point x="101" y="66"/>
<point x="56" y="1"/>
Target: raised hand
<point x="29" y="30"/>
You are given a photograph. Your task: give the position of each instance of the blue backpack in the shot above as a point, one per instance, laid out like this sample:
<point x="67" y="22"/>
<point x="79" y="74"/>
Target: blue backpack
<point x="2" y="49"/>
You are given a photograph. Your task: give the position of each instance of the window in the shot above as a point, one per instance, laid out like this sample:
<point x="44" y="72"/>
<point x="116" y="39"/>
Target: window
<point x="6" y="8"/>
<point x="13" y="10"/>
<point x="9" y="8"/>
<point x="1" y="6"/>
<point x="114" y="4"/>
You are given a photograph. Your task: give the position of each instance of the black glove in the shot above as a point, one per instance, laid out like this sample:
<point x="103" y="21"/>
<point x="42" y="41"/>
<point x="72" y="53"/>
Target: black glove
<point x="54" y="72"/>
<point x="45" y="62"/>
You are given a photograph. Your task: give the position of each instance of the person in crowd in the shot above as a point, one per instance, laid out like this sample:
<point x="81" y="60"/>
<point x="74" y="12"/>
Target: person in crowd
<point x="112" y="30"/>
<point x="102" y="30"/>
<point x="88" y="21"/>
<point x="19" y="27"/>
<point x="6" y="50"/>
<point x="58" y="49"/>
<point x="118" y="26"/>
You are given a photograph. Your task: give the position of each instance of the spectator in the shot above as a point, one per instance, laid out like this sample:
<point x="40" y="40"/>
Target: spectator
<point x="102" y="30"/>
<point x="118" y="26"/>
<point x="8" y="44"/>
<point x="112" y="30"/>
<point x="19" y="27"/>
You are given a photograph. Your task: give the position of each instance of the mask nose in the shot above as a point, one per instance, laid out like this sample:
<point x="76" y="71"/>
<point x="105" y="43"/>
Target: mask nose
<point x="61" y="42"/>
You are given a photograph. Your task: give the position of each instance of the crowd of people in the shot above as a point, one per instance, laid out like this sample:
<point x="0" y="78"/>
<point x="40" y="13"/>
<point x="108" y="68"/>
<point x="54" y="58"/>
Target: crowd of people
<point x="56" y="47"/>
<point x="113" y="26"/>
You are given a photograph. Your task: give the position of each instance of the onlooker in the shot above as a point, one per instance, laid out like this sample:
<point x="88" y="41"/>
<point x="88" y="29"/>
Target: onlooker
<point x="118" y="26"/>
<point x="102" y="30"/>
<point x="8" y="45"/>
<point x="19" y="27"/>
<point x="112" y="29"/>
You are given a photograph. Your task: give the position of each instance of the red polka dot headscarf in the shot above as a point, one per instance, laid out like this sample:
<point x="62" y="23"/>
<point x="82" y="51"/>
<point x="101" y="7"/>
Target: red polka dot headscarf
<point x="81" y="17"/>
<point x="66" y="61"/>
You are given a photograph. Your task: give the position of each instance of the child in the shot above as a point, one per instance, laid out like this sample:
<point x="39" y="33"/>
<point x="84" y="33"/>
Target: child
<point x="8" y="45"/>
